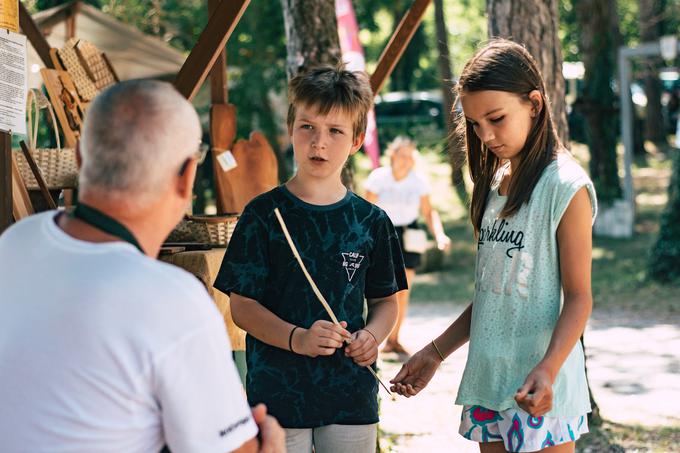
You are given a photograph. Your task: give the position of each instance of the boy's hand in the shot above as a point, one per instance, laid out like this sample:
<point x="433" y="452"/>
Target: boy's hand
<point x="363" y="349"/>
<point x="322" y="338"/>
<point x="536" y="395"/>
<point x="416" y="373"/>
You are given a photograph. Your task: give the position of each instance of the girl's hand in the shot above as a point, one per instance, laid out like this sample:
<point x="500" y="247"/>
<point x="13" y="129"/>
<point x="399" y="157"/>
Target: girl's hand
<point x="443" y="242"/>
<point x="322" y="338"/>
<point x="416" y="373"/>
<point x="535" y="395"/>
<point x="363" y="349"/>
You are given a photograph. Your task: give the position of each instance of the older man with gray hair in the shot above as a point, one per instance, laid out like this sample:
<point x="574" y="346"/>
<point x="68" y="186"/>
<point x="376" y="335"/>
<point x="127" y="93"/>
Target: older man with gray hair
<point x="103" y="348"/>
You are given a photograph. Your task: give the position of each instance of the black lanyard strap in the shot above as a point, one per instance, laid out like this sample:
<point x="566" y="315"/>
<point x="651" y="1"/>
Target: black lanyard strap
<point x="105" y="223"/>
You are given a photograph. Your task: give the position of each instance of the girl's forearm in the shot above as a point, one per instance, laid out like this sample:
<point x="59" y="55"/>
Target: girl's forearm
<point x="569" y="328"/>
<point x="382" y="315"/>
<point x="259" y="322"/>
<point x="434" y="223"/>
<point x="456" y="335"/>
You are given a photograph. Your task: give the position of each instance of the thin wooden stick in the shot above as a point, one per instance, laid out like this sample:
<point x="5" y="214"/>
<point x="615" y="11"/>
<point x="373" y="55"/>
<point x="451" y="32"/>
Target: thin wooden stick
<point x="328" y="308"/>
<point x="37" y="174"/>
<point x="318" y="294"/>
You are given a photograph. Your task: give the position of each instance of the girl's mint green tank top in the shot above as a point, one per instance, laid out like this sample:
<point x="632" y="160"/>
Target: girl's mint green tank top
<point x="518" y="296"/>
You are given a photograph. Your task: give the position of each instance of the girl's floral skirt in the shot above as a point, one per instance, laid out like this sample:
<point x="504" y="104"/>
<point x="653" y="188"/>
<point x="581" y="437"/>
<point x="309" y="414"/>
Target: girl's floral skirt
<point x="518" y="430"/>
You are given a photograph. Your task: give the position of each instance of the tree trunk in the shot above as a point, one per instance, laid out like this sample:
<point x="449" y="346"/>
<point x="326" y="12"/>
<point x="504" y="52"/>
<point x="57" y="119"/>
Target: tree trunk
<point x="311" y="34"/>
<point x="311" y="39"/>
<point x="599" y="31"/>
<point x="598" y="51"/>
<point x="664" y="262"/>
<point x="650" y="31"/>
<point x="454" y="144"/>
<point x="534" y="24"/>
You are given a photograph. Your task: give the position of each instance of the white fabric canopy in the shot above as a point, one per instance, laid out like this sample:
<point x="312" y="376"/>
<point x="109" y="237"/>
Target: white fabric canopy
<point x="132" y="53"/>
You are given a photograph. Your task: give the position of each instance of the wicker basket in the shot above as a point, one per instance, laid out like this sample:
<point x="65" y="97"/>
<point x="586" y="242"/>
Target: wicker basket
<point x="205" y="229"/>
<point x="94" y="61"/>
<point x="84" y="85"/>
<point x="58" y="167"/>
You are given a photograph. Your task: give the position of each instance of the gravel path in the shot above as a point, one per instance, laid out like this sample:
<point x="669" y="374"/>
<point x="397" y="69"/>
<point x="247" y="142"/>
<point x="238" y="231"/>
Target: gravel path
<point x="633" y="366"/>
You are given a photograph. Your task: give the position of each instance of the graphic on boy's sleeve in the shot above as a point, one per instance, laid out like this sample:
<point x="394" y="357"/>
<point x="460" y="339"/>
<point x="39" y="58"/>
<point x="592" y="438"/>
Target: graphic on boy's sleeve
<point x="351" y="261"/>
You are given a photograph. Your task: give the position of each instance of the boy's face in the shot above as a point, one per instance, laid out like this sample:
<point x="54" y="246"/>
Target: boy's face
<point x="322" y="144"/>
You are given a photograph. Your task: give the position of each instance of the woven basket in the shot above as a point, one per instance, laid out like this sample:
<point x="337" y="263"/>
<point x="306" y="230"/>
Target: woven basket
<point x="69" y="57"/>
<point x="97" y="65"/>
<point x="58" y="167"/>
<point x="205" y="229"/>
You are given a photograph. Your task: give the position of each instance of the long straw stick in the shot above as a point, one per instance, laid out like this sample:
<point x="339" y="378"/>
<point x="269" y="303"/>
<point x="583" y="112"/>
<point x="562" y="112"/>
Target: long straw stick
<point x="319" y="296"/>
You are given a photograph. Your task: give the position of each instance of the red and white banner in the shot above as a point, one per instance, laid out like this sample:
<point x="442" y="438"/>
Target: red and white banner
<point x="353" y="57"/>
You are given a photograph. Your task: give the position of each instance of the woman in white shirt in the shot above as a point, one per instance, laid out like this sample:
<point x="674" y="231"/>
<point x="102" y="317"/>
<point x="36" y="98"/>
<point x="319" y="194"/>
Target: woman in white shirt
<point x="404" y="194"/>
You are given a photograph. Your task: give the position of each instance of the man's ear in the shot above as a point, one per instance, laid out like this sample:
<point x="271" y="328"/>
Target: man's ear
<point x="536" y="100"/>
<point x="358" y="141"/>
<point x="79" y="157"/>
<point x="185" y="181"/>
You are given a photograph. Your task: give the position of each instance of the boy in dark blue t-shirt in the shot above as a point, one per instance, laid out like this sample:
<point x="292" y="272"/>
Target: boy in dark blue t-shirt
<point x="298" y="365"/>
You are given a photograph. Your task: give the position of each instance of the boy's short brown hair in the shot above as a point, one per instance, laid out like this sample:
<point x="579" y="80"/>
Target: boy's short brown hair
<point x="329" y="87"/>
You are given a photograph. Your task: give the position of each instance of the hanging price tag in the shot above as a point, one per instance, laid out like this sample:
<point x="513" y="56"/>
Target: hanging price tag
<point x="227" y="161"/>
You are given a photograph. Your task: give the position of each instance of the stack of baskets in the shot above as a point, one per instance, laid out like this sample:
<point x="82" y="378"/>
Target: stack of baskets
<point x="87" y="90"/>
<point x="214" y="230"/>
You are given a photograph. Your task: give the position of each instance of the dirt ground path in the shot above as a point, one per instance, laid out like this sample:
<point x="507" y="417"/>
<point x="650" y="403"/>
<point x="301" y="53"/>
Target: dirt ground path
<point x="633" y="365"/>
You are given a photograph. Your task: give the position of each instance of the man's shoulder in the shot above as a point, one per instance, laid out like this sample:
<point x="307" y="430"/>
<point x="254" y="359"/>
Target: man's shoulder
<point x="28" y="225"/>
<point x="169" y="281"/>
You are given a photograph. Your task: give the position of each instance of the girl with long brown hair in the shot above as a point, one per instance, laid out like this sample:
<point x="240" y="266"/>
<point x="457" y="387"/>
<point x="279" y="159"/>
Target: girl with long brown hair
<point x="524" y="386"/>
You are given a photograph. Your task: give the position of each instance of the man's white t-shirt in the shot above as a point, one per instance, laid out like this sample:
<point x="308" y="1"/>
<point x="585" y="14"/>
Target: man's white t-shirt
<point x="103" y="349"/>
<point x="399" y="199"/>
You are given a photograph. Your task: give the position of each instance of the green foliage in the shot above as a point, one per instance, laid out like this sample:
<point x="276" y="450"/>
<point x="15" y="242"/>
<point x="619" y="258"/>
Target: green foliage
<point x="466" y="23"/>
<point x="568" y="31"/>
<point x="664" y="263"/>
<point x="177" y="22"/>
<point x="256" y="54"/>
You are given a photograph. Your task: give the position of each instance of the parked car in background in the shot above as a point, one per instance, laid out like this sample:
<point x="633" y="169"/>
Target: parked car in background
<point x="418" y="115"/>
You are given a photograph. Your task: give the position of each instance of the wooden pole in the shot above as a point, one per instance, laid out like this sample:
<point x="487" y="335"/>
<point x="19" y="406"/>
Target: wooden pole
<point x="5" y="181"/>
<point x="400" y="39"/>
<point x="219" y="93"/>
<point x="35" y="36"/>
<point x="209" y="45"/>
<point x="71" y="20"/>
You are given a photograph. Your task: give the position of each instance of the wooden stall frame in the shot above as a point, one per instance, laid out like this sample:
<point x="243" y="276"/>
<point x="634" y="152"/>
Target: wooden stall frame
<point x="398" y="43"/>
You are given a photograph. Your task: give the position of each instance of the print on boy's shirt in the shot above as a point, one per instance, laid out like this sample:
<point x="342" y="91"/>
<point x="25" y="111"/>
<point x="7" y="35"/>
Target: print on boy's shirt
<point x="497" y="232"/>
<point x="351" y="261"/>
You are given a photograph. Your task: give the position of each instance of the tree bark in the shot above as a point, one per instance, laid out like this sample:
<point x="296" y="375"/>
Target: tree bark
<point x="454" y="144"/>
<point x="534" y="24"/>
<point x="664" y="262"/>
<point x="650" y="31"/>
<point x="311" y="34"/>
<point x="599" y="37"/>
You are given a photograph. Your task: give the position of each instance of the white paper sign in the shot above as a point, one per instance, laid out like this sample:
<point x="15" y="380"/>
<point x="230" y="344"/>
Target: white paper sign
<point x="13" y="82"/>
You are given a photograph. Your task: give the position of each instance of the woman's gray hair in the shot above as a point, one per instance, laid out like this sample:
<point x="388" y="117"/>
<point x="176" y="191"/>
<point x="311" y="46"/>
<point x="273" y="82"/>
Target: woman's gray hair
<point x="398" y="143"/>
<point x="404" y="142"/>
<point x="135" y="138"/>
